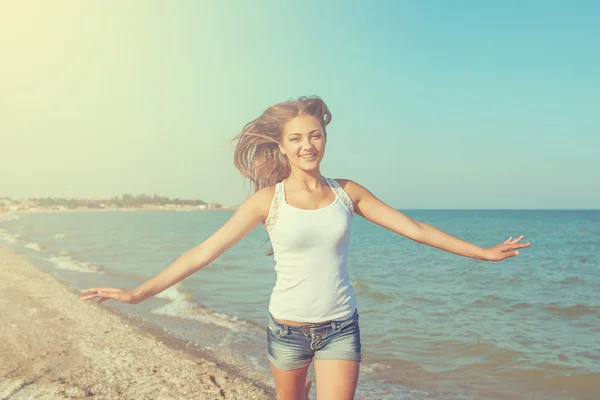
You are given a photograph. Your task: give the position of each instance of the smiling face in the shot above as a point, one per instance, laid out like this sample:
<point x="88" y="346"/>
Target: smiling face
<point x="303" y="141"/>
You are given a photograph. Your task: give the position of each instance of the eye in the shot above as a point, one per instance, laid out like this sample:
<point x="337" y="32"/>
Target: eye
<point x="295" y="139"/>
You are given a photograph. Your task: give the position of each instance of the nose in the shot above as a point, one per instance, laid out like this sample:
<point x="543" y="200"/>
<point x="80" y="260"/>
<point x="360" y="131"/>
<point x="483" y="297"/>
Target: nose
<point x="307" y="144"/>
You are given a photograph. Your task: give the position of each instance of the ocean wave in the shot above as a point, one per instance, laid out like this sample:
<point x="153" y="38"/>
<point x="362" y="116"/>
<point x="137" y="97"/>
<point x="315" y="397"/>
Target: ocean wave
<point x="521" y="306"/>
<point x="8" y="238"/>
<point x="60" y="236"/>
<point x="172" y="293"/>
<point x="489" y="300"/>
<point x="420" y="300"/>
<point x="373" y="367"/>
<point x="484" y="353"/>
<point x="363" y="289"/>
<point x="571" y="280"/>
<point x="186" y="309"/>
<point x="33" y="246"/>
<point x="68" y="263"/>
<point x="577" y="310"/>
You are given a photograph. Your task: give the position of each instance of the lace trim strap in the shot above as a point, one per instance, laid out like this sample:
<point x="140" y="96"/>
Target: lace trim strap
<point x="274" y="209"/>
<point x="341" y="193"/>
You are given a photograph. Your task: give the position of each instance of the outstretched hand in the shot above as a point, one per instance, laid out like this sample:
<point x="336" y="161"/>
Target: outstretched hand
<point x="505" y="250"/>
<point x="105" y="293"/>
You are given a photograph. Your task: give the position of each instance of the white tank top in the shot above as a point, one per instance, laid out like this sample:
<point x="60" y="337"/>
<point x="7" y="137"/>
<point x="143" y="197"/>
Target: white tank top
<point x="311" y="254"/>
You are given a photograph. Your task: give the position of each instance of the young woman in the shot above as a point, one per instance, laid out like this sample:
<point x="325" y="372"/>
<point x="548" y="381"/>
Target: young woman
<point x="308" y="217"/>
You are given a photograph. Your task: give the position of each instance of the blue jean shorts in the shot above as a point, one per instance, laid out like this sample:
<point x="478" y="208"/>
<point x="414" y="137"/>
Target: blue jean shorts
<point x="293" y="347"/>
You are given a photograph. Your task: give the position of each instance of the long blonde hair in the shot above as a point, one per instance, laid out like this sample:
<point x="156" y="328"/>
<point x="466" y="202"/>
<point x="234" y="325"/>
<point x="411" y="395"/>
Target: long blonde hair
<point x="257" y="155"/>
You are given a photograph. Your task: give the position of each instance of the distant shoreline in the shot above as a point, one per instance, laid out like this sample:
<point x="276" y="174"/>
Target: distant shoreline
<point x="124" y="209"/>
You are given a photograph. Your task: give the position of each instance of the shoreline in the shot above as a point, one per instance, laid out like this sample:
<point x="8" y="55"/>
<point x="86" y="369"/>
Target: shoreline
<point x="53" y="345"/>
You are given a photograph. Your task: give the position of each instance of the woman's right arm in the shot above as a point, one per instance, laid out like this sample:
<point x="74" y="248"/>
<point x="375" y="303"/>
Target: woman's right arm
<point x="252" y="212"/>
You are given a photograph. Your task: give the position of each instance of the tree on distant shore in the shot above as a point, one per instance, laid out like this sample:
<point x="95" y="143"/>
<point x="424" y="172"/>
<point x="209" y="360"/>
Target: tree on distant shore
<point x="54" y="202"/>
<point x="128" y="200"/>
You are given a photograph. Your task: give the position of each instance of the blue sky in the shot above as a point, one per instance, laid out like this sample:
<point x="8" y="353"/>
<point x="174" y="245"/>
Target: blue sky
<point x="463" y="104"/>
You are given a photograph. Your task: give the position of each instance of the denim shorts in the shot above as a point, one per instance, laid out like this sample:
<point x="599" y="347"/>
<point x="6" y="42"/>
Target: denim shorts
<point x="293" y="347"/>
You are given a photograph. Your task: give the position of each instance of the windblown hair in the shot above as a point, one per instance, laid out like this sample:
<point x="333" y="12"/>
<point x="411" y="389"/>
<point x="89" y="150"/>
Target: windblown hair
<point x="257" y="155"/>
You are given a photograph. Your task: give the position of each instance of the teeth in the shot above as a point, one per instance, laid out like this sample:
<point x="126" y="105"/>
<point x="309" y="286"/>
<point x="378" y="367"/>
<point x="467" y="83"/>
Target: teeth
<point x="309" y="156"/>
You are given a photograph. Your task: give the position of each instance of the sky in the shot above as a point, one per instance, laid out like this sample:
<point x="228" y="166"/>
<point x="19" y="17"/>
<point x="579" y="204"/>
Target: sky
<point x="436" y="104"/>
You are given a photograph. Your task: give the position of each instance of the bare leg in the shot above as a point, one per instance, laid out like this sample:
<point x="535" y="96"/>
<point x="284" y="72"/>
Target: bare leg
<point x="291" y="385"/>
<point x="336" y="379"/>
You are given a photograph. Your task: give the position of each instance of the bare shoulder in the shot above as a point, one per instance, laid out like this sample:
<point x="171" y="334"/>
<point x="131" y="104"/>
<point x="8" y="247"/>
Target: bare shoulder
<point x="355" y="190"/>
<point x="264" y="195"/>
<point x="260" y="201"/>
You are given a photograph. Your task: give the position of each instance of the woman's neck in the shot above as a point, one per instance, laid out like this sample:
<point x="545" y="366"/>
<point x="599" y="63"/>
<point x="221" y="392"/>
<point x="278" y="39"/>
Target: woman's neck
<point x="310" y="180"/>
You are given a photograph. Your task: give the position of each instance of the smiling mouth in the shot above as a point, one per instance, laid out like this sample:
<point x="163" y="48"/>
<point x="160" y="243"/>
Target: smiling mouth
<point x="308" y="156"/>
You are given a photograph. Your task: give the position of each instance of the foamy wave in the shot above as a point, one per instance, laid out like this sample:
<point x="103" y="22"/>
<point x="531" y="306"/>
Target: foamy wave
<point x="59" y="236"/>
<point x="7" y="238"/>
<point x="188" y="310"/>
<point x="67" y="263"/>
<point x="373" y="367"/>
<point x="171" y="293"/>
<point x="33" y="246"/>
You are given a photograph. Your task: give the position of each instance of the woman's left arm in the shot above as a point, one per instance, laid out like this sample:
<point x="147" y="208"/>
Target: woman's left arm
<point x="370" y="207"/>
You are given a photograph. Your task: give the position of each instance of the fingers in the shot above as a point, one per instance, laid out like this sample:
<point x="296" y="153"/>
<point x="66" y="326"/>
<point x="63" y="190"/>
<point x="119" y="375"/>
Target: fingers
<point x="103" y="297"/>
<point x="92" y="291"/>
<point x="517" y="239"/>
<point x="99" y="292"/>
<point x="508" y="247"/>
<point x="104" y="289"/>
<point x="511" y="241"/>
<point x="93" y="296"/>
<point x="90" y="297"/>
<point x="510" y="250"/>
<point x="510" y="254"/>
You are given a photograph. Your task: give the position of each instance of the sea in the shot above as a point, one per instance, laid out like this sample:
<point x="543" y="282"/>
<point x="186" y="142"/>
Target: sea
<point x="433" y="325"/>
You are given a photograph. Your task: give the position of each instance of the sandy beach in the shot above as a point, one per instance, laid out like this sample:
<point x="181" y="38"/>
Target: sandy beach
<point x="54" y="346"/>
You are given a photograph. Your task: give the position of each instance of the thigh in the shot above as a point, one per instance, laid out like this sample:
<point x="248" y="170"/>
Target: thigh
<point x="290" y="384"/>
<point x="336" y="379"/>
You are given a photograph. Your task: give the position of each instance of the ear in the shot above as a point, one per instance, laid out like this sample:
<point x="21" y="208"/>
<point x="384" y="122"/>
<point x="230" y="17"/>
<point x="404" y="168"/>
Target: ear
<point x="281" y="149"/>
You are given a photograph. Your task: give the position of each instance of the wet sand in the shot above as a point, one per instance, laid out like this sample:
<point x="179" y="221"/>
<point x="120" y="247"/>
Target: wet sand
<point x="54" y="346"/>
